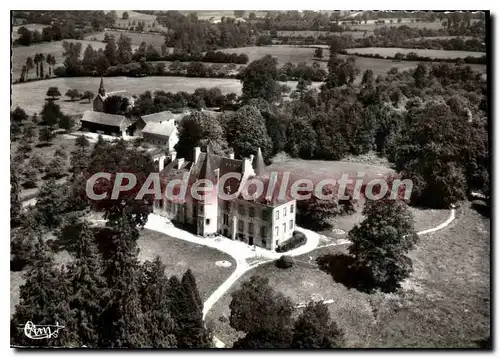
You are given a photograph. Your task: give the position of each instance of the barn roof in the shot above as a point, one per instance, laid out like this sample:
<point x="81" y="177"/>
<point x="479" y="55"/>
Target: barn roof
<point x="163" y="129"/>
<point x="114" y="120"/>
<point x="158" y="117"/>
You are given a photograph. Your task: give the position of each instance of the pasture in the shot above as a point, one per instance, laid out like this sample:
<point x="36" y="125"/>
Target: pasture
<point x="371" y="25"/>
<point x="391" y="52"/>
<point x="136" y="38"/>
<point x="149" y="20"/>
<point x="449" y="291"/>
<point x="31" y="95"/>
<point x="316" y="34"/>
<point x="283" y="53"/>
<point x="21" y="53"/>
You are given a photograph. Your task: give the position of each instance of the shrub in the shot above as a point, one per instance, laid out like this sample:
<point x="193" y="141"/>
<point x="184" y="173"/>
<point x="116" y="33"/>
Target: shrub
<point x="298" y="239"/>
<point x="284" y="262"/>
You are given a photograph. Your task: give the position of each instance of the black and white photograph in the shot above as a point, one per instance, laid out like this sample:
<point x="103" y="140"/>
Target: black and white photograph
<point x="250" y="179"/>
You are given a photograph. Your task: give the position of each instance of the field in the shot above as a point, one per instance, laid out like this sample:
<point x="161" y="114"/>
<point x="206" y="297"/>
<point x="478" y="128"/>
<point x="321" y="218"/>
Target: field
<point x="31" y="95"/>
<point x="136" y="38"/>
<point x="149" y="20"/>
<point x="445" y="302"/>
<point x="218" y="14"/>
<point x="391" y="51"/>
<point x="283" y="53"/>
<point x="21" y="53"/>
<point x="315" y="34"/>
<point x="370" y="26"/>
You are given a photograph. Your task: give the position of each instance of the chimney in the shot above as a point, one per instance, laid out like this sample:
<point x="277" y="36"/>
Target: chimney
<point x="180" y="162"/>
<point x="173" y="155"/>
<point x="197" y="152"/>
<point x="251" y="158"/>
<point x="161" y="163"/>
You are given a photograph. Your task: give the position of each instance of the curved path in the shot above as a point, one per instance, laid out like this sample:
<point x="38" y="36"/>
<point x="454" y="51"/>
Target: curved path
<point x="243" y="253"/>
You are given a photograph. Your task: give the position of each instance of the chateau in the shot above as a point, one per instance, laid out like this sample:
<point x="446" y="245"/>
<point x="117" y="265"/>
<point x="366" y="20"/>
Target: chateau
<point x="265" y="220"/>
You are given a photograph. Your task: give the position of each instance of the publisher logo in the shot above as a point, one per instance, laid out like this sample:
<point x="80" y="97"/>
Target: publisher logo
<point x="45" y="331"/>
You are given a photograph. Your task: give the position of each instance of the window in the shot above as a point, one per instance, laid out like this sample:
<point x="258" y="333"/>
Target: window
<point x="264" y="243"/>
<point x="250" y="228"/>
<point x="284" y="211"/>
<point x="251" y="212"/>
<point x="207" y="221"/>
<point x="265" y="214"/>
<point x="277" y="214"/>
<point x="291" y="225"/>
<point x="263" y="231"/>
<point x="284" y="227"/>
<point x="291" y="209"/>
<point x="227" y="205"/>
<point x="226" y="219"/>
<point x="241" y="209"/>
<point x="240" y="225"/>
<point x="277" y="230"/>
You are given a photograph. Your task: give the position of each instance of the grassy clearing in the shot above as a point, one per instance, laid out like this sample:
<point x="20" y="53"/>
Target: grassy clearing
<point x="445" y="303"/>
<point x="391" y="51"/>
<point x="320" y="169"/>
<point x="371" y="25"/>
<point x="179" y="255"/>
<point x="316" y="34"/>
<point x="21" y="53"/>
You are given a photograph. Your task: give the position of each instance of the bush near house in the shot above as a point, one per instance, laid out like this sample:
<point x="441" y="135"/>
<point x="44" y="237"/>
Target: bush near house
<point x="284" y="262"/>
<point x="298" y="239"/>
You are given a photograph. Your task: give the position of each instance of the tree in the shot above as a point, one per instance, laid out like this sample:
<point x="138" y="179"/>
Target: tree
<point x="66" y="122"/>
<point x="29" y="65"/>
<point x="155" y="299"/>
<point x="188" y="314"/>
<point x="368" y="78"/>
<point x="380" y="243"/>
<point x="30" y="176"/>
<point x="56" y="168"/>
<point x="302" y="85"/>
<point x="51" y="113"/>
<point x="87" y="95"/>
<point x="53" y="92"/>
<point x="239" y="13"/>
<point x="88" y="284"/>
<point x="121" y="301"/>
<point x="116" y="105"/>
<point x="15" y="202"/>
<point x="263" y="314"/>
<point x="49" y="204"/>
<point x="259" y="80"/>
<point x="18" y="115"/>
<point x="110" y="50"/>
<point x="200" y="129"/>
<point x="317" y="213"/>
<point x="45" y="135"/>
<point x="28" y="133"/>
<point x="246" y="131"/>
<point x="125" y="15"/>
<point x="318" y="53"/>
<point x="124" y="52"/>
<point x="313" y="329"/>
<point x="73" y="94"/>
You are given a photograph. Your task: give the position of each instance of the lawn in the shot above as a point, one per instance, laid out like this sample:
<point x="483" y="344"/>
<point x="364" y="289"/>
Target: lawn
<point x="391" y="52"/>
<point x="445" y="302"/>
<point x="21" y="53"/>
<point x="179" y="255"/>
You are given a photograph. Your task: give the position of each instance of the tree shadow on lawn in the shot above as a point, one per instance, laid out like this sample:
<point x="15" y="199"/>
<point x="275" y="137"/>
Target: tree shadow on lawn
<point x="341" y="268"/>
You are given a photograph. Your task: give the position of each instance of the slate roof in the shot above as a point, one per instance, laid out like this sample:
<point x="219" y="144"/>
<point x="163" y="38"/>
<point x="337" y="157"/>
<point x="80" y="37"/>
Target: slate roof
<point x="163" y="129"/>
<point x="114" y="120"/>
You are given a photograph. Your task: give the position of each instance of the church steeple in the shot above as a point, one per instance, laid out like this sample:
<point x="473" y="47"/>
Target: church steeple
<point x="102" y="91"/>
